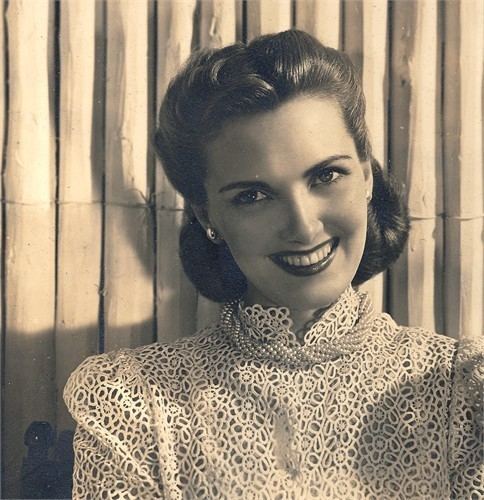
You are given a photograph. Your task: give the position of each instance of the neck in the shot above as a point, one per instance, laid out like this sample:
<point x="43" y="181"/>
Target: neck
<point x="301" y="318"/>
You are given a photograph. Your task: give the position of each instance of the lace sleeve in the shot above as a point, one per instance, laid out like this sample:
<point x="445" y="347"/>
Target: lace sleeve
<point x="466" y="434"/>
<point x="115" y="446"/>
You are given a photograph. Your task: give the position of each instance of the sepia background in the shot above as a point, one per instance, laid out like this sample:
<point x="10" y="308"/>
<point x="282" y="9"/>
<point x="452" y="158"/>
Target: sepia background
<point x="89" y="222"/>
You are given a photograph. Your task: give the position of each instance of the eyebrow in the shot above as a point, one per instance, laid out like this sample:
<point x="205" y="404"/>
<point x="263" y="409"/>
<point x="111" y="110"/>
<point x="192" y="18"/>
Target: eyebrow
<point x="263" y="185"/>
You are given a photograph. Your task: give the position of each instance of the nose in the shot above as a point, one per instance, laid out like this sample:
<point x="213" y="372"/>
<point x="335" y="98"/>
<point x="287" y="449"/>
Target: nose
<point x="303" y="220"/>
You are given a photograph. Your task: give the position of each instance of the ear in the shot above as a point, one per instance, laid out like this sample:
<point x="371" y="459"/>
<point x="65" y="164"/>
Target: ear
<point x="368" y="175"/>
<point x="201" y="213"/>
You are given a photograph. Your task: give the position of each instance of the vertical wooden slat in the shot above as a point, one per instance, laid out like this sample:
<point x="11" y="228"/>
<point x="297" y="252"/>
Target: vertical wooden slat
<point x="217" y="29"/>
<point x="352" y="36"/>
<point x="463" y="160"/>
<point x="176" y="298"/>
<point x="240" y="20"/>
<point x="267" y="16"/>
<point x="128" y="246"/>
<point x="374" y="86"/>
<point x="80" y="193"/>
<point x="417" y="65"/>
<point x="321" y="18"/>
<point x="424" y="176"/>
<point x="402" y="22"/>
<point x="30" y="227"/>
<point x="375" y="49"/>
<point x="217" y="23"/>
<point x="3" y="117"/>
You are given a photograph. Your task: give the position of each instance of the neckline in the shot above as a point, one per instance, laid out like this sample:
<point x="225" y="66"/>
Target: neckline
<point x="270" y="323"/>
<point x="265" y="333"/>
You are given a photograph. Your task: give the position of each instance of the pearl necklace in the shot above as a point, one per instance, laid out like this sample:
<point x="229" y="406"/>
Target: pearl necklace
<point x="302" y="356"/>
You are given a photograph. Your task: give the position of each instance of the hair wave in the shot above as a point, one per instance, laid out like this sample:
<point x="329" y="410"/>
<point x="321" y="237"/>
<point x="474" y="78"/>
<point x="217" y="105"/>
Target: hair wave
<point x="220" y="85"/>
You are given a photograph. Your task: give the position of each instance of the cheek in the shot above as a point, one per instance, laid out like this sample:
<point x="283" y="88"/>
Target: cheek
<point x="349" y="215"/>
<point x="245" y="240"/>
<point x="244" y="231"/>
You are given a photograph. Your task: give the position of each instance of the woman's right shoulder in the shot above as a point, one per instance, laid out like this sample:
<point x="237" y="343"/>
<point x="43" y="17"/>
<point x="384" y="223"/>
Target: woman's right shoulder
<point x="126" y="371"/>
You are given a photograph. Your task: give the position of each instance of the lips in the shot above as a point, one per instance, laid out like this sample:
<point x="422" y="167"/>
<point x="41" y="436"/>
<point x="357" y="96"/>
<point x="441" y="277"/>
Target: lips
<point x="307" y="263"/>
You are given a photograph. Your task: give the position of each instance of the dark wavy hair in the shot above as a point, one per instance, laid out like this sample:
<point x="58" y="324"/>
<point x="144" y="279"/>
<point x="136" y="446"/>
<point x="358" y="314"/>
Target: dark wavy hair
<point x="218" y="86"/>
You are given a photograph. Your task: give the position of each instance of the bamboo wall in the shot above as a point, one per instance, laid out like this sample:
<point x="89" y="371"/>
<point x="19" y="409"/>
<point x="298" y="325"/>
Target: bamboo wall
<point x="89" y="222"/>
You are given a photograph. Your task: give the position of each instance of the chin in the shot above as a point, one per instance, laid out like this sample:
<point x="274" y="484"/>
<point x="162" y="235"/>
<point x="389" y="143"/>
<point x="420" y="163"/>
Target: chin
<point x="322" y="297"/>
<point x="299" y="296"/>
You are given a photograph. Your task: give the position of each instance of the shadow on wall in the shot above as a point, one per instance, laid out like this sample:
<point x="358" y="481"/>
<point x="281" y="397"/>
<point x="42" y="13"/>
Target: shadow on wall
<point x="38" y="429"/>
<point x="106" y="199"/>
<point x="47" y="468"/>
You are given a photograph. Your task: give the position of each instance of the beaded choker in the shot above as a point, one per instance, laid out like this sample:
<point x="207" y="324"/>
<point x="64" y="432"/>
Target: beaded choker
<point x="255" y="344"/>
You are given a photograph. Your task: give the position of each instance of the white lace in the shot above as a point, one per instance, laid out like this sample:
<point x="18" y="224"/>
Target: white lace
<point x="269" y="323"/>
<point x="266" y="333"/>
<point x="401" y="417"/>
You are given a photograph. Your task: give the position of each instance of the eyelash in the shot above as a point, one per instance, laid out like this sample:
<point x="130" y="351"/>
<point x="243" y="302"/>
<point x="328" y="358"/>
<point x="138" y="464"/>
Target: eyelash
<point x="242" y="198"/>
<point x="249" y="197"/>
<point x="325" y="170"/>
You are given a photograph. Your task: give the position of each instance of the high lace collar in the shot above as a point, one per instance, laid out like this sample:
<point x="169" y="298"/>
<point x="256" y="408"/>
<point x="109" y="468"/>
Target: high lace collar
<point x="273" y="323"/>
<point x="260" y="332"/>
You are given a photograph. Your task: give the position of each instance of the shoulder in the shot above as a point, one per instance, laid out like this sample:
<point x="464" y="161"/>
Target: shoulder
<point x="422" y="353"/>
<point x="102" y="386"/>
<point x="461" y="361"/>
<point x="123" y="377"/>
<point x="411" y="345"/>
<point x="205" y="342"/>
<point x="423" y="336"/>
<point x="469" y="358"/>
<point x="425" y="345"/>
<point x="465" y="355"/>
<point x="468" y="374"/>
<point x="160" y="362"/>
<point x="466" y="420"/>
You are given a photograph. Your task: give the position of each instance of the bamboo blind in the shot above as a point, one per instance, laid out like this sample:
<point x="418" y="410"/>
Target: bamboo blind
<point x="89" y="222"/>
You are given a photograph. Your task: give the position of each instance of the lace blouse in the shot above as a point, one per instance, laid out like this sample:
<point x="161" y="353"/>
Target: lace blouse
<point x="399" y="417"/>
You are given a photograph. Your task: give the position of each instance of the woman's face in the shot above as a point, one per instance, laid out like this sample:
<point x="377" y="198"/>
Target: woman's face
<point x="287" y="193"/>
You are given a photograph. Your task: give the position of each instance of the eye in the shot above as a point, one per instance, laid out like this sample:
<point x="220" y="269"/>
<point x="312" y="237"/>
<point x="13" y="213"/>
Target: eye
<point x="249" y="197"/>
<point x="327" y="175"/>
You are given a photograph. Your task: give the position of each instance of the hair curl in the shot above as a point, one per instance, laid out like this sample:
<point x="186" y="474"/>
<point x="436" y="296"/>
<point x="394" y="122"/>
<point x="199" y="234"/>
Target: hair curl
<point x="218" y="86"/>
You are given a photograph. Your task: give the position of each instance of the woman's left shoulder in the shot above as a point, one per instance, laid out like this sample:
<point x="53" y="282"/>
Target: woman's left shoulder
<point x="422" y="346"/>
<point x="466" y="420"/>
<point x="425" y="337"/>
<point x="464" y="357"/>
<point x="436" y="349"/>
<point x="468" y="371"/>
<point x="463" y="348"/>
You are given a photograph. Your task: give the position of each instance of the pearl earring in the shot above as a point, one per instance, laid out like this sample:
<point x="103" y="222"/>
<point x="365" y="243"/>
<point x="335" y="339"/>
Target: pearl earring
<point x="368" y="195"/>
<point x="211" y="234"/>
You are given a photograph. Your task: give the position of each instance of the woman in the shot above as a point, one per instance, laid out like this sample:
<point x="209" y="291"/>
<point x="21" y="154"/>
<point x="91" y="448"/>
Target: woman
<point x="301" y="390"/>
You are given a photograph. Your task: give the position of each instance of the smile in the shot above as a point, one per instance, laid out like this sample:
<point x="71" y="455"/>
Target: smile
<point x="307" y="263"/>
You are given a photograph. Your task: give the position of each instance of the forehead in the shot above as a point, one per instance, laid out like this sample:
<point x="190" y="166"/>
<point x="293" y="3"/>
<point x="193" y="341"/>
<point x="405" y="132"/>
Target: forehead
<point x="294" y="136"/>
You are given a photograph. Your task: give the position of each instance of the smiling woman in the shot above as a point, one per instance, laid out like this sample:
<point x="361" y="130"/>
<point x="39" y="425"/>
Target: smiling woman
<point x="300" y="390"/>
<point x="278" y="194"/>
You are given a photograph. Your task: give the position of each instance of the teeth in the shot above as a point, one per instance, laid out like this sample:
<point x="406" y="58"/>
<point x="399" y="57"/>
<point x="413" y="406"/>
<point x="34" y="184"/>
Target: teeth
<point x="313" y="258"/>
<point x="310" y="259"/>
